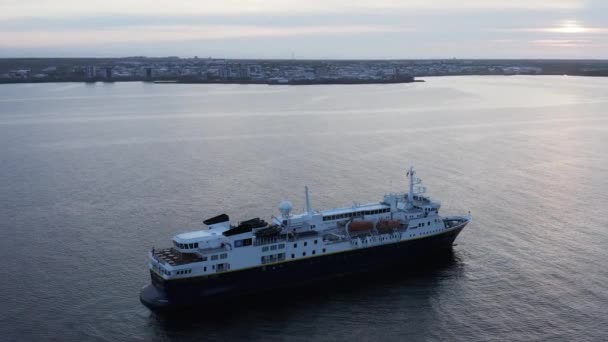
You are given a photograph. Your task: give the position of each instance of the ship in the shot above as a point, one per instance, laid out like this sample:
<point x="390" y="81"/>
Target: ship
<point x="224" y="261"/>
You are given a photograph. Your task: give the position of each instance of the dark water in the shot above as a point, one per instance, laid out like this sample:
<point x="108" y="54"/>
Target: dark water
<point x="92" y="176"/>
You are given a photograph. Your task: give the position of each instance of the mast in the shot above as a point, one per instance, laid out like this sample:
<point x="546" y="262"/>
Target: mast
<point x="411" y="174"/>
<point x="308" y="210"/>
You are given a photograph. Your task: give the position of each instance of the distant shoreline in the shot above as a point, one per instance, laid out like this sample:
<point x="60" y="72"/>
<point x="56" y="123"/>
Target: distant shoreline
<point x="277" y="72"/>
<point x="244" y="82"/>
<point x="264" y="82"/>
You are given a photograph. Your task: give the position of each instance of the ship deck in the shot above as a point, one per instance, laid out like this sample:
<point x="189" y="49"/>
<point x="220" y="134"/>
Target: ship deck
<point x="173" y="257"/>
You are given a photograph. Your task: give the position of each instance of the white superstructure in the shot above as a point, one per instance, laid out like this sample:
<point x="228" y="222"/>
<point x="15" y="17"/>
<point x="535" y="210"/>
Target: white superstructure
<point x="222" y="247"/>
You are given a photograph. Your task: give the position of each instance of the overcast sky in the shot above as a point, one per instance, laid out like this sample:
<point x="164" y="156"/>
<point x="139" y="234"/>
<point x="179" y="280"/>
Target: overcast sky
<point x="305" y="28"/>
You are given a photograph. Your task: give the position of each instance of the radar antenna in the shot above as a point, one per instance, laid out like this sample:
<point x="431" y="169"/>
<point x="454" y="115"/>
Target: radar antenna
<point x="285" y="209"/>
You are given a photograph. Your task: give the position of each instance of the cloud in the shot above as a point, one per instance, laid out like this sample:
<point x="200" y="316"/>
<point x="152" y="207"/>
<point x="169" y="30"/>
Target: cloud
<point x="50" y="8"/>
<point x="315" y="28"/>
<point x="161" y="34"/>
<point x="563" y="43"/>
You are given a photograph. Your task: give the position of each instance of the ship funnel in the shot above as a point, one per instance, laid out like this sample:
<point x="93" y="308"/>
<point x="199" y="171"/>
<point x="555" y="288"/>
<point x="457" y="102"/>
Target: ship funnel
<point x="285" y="209"/>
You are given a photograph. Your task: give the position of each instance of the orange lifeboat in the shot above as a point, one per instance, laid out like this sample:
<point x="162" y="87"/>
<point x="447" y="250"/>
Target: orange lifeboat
<point x="385" y="226"/>
<point x="360" y="226"/>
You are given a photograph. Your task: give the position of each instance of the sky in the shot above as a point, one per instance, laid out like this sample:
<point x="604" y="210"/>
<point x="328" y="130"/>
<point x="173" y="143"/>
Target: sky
<point x="306" y="29"/>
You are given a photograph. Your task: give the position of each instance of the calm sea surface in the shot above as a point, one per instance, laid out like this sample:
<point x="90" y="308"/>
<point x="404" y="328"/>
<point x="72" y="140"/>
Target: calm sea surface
<point x="93" y="176"/>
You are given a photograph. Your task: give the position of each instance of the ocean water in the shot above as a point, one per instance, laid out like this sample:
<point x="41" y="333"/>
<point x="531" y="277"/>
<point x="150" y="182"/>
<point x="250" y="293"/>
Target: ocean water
<point x="93" y="175"/>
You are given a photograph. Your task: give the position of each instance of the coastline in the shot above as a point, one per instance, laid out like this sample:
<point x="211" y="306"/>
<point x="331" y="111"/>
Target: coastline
<point x="199" y="81"/>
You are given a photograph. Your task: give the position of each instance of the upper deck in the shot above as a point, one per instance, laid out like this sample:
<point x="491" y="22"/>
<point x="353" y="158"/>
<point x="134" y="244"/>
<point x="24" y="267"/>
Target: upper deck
<point x="174" y="257"/>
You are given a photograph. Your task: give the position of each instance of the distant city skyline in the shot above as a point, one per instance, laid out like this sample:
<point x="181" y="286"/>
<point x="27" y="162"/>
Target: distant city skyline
<point x="333" y="29"/>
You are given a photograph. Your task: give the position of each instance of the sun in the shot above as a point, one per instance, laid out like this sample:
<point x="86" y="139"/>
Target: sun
<point x="569" y="26"/>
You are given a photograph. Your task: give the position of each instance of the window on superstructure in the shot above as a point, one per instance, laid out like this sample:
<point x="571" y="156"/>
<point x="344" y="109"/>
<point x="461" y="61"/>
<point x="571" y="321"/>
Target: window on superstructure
<point x="305" y="243"/>
<point x="303" y="253"/>
<point x="295" y="245"/>
<point x="281" y="245"/>
<point x="273" y="247"/>
<point x="323" y="250"/>
<point x="214" y="257"/>
<point x="196" y="245"/>
<point x="313" y="252"/>
<point x="223" y="255"/>
<point x="293" y="256"/>
<point x="265" y="249"/>
<point x="315" y="242"/>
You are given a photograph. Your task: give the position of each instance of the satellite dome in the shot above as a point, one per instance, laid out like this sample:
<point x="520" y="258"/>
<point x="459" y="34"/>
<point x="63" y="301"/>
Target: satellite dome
<point x="285" y="208"/>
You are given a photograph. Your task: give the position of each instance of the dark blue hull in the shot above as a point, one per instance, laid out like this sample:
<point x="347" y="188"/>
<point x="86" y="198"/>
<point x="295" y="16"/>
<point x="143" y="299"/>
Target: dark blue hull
<point x="163" y="295"/>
